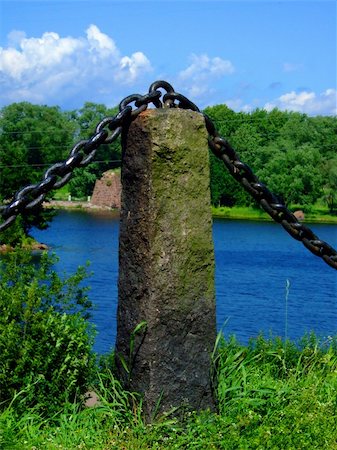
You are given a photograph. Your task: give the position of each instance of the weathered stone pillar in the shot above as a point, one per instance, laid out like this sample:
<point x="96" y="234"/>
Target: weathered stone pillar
<point x="166" y="262"/>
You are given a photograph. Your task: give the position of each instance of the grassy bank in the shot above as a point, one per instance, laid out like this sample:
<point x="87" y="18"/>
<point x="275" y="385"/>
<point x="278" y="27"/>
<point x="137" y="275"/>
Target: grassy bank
<point x="318" y="213"/>
<point x="314" y="214"/>
<point x="271" y="395"/>
<point x="239" y="212"/>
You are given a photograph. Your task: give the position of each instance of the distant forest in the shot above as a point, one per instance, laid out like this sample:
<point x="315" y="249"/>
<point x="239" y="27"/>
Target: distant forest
<point x="292" y="153"/>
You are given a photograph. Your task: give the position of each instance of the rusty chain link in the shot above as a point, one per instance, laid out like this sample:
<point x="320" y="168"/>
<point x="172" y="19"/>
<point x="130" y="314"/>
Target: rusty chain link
<point x="84" y="152"/>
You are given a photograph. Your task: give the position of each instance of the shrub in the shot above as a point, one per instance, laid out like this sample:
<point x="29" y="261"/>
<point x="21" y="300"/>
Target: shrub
<point x="14" y="236"/>
<point x="45" y="339"/>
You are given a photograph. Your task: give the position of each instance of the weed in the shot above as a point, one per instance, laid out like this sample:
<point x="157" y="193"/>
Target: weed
<point x="271" y="394"/>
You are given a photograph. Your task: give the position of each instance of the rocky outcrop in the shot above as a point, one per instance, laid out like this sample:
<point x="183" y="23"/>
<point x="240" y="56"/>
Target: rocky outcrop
<point x="107" y="191"/>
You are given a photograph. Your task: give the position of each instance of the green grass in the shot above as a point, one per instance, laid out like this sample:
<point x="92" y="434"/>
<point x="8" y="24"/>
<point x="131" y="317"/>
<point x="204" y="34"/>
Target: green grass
<point x="239" y="212"/>
<point x="314" y="214"/>
<point x="271" y="395"/>
<point x="61" y="194"/>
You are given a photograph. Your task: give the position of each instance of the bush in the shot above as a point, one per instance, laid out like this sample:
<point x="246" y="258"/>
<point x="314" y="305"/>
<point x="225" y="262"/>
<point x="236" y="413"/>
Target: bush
<point x="13" y="236"/>
<point x="45" y="339"/>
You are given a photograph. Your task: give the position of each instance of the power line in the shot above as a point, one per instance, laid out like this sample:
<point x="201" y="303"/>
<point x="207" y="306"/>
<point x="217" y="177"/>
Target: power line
<point x="317" y="144"/>
<point x="2" y="166"/>
<point x="246" y="118"/>
<point x="242" y="120"/>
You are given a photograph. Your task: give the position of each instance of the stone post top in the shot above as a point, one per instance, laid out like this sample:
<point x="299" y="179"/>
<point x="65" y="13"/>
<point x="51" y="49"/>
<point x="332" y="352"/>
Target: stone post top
<point x="170" y="129"/>
<point x="172" y="112"/>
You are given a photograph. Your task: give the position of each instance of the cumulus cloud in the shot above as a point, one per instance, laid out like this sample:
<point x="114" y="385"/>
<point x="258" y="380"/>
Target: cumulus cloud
<point x="130" y="66"/>
<point x="51" y="67"/>
<point x="307" y="102"/>
<point x="101" y="43"/>
<point x="15" y="37"/>
<point x="196" y="79"/>
<point x="202" y="67"/>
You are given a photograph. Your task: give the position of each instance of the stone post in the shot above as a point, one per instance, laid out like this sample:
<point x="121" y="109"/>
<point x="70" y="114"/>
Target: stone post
<point x="166" y="312"/>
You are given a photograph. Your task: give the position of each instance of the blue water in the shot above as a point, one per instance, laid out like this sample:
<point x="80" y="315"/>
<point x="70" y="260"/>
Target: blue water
<point x="254" y="263"/>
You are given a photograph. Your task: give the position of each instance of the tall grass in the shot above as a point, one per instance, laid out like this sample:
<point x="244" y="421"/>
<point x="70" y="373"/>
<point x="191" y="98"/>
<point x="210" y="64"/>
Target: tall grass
<point x="271" y="393"/>
<point x="73" y="426"/>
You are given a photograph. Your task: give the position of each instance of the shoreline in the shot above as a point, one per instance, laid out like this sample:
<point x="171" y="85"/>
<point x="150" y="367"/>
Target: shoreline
<point x="33" y="246"/>
<point x="246" y="213"/>
<point x="65" y="204"/>
<point x="235" y="213"/>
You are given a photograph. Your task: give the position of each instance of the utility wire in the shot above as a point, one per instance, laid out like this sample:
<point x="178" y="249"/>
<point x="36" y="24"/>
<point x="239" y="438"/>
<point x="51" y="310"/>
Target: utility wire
<point x="2" y="166"/>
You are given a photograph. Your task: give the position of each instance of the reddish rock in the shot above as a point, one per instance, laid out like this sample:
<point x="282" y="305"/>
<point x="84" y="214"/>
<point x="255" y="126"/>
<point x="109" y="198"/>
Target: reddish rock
<point x="107" y="191"/>
<point x="299" y="215"/>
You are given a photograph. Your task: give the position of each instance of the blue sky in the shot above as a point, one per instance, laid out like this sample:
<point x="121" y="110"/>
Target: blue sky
<point x="248" y="54"/>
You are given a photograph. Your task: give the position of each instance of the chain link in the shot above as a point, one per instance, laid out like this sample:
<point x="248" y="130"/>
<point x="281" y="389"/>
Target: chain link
<point x="82" y="153"/>
<point x="267" y="200"/>
<point x="108" y="131"/>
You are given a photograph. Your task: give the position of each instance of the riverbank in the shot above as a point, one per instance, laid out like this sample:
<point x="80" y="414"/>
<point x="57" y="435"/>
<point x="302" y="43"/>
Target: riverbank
<point x="315" y="215"/>
<point x="65" y="204"/>
<point x="32" y="246"/>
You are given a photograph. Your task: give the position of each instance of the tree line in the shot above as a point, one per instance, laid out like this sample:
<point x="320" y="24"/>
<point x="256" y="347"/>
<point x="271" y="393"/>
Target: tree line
<point x="292" y="153"/>
<point x="32" y="138"/>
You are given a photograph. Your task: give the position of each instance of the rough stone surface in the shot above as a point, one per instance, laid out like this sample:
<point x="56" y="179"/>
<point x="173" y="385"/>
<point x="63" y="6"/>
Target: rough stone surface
<point x="107" y="191"/>
<point x="166" y="262"/>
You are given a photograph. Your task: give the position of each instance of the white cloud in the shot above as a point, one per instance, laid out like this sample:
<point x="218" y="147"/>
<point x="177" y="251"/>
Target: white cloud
<point x="132" y="66"/>
<point x="203" y="70"/>
<point x="307" y="102"/>
<point x="100" y="42"/>
<point x="202" y="67"/>
<point x="291" y="67"/>
<point x="15" y="37"/>
<point x="51" y="68"/>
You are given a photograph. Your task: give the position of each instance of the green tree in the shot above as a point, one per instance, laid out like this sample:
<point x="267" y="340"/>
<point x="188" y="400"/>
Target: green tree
<point x="325" y="132"/>
<point x="268" y="124"/>
<point x="32" y="138"/>
<point x="218" y="183"/>
<point x="225" y="119"/>
<point x="299" y="130"/>
<point x="293" y="173"/>
<point x="287" y="150"/>
<point x="247" y="140"/>
<point x="330" y="182"/>
<point x="225" y="191"/>
<point x="107" y="156"/>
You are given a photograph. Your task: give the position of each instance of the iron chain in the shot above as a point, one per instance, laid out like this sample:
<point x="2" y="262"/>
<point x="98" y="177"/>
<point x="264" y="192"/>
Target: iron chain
<point x="267" y="200"/>
<point x="82" y="153"/>
<point x="110" y="128"/>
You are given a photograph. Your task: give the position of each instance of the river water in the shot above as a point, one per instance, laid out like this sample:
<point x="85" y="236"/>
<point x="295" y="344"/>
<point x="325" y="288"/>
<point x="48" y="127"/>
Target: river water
<point x="265" y="281"/>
